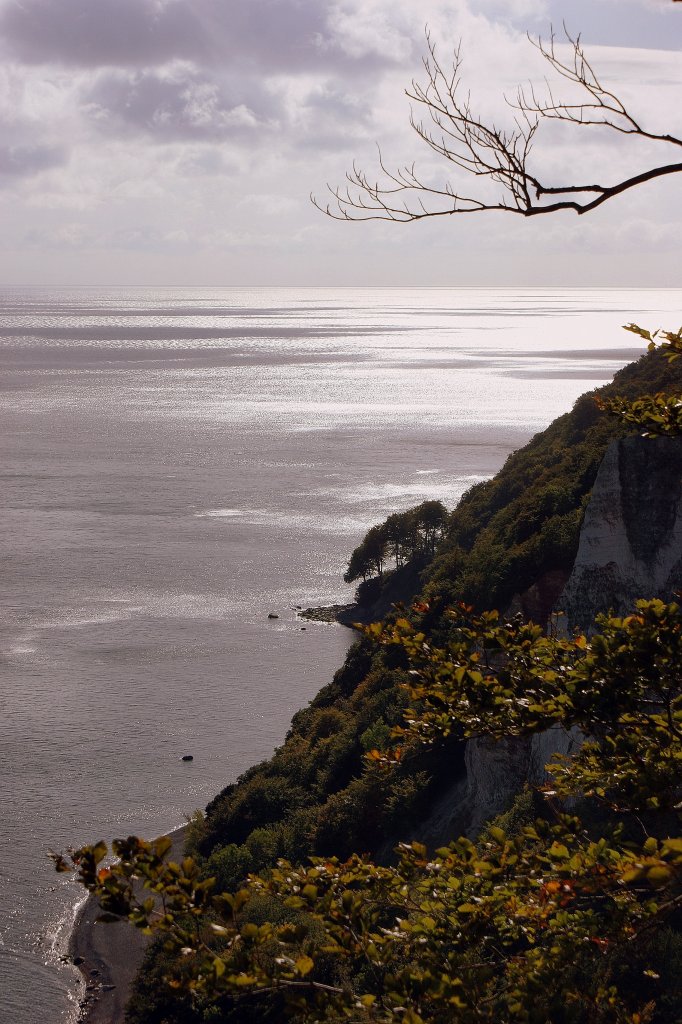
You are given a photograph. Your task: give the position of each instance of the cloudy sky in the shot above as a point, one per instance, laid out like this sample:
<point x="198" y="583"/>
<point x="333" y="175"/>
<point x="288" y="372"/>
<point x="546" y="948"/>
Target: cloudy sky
<point x="177" y="141"/>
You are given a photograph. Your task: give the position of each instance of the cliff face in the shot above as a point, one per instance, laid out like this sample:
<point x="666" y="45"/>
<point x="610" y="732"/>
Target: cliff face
<point x="496" y="772"/>
<point x="630" y="547"/>
<point x="631" y="539"/>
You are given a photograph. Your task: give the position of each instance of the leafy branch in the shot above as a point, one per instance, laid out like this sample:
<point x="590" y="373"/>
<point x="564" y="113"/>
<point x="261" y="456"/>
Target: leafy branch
<point x="474" y="932"/>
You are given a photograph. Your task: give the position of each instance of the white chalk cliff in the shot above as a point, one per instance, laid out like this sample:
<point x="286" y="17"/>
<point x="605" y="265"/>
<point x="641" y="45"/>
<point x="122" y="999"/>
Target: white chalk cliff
<point x="631" y="538"/>
<point x="630" y="547"/>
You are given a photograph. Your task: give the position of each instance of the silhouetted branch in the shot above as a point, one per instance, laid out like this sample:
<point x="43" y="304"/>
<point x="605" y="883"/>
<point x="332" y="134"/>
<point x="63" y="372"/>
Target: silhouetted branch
<point x="451" y="129"/>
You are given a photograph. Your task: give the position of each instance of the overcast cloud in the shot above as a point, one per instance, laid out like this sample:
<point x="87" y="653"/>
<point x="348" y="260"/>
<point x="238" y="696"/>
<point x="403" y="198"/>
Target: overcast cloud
<point x="177" y="141"/>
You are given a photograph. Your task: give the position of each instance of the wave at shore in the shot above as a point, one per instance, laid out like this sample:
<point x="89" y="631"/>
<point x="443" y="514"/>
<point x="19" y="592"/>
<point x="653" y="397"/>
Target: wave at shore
<point x="109" y="956"/>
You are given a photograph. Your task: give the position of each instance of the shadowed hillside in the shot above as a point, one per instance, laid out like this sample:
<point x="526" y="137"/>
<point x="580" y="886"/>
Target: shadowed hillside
<point x="510" y="542"/>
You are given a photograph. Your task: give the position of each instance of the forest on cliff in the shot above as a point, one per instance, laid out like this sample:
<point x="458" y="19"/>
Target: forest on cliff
<point x="562" y="912"/>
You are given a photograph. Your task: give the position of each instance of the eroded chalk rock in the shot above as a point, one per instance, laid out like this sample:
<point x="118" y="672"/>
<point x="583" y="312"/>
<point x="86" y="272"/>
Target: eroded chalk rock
<point x="631" y="538"/>
<point x="630" y="547"/>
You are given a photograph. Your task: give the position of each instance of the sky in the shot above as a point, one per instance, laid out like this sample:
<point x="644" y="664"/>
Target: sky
<point x="177" y="142"/>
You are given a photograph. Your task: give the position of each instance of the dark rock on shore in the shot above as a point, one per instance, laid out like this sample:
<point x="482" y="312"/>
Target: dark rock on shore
<point x="342" y="613"/>
<point x="376" y="597"/>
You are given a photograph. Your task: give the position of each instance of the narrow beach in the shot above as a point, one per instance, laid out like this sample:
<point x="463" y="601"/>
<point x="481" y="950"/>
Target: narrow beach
<point x="108" y="956"/>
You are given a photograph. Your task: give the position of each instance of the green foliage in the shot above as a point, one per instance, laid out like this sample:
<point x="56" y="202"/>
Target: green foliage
<point x="403" y="536"/>
<point x="376" y="736"/>
<point x="658" y="415"/>
<point x="594" y="952"/>
<point x="523" y="525"/>
<point x="510" y="679"/>
<point x="369" y="557"/>
<point x="195" y="831"/>
<point x="520" y="815"/>
<point x="229" y="865"/>
<point x="670" y="343"/>
<point x="262" y="799"/>
<point x="537" y="922"/>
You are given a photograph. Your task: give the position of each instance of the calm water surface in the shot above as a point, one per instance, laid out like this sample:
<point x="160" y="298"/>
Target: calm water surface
<point x="177" y="464"/>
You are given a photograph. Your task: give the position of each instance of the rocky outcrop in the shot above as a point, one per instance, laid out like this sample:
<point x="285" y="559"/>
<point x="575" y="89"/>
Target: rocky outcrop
<point x="630" y="547"/>
<point x="631" y="539"/>
<point x="536" y="604"/>
<point x="496" y="772"/>
<point x="342" y="613"/>
<point x="377" y="597"/>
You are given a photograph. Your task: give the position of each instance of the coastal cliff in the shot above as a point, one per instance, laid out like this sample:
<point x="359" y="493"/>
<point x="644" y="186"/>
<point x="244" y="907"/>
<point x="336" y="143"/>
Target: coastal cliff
<point x="631" y="540"/>
<point x="579" y="505"/>
<point x="630" y="547"/>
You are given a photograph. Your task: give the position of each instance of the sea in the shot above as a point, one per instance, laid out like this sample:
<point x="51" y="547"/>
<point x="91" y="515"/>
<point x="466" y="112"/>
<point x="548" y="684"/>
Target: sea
<point x="178" y="465"/>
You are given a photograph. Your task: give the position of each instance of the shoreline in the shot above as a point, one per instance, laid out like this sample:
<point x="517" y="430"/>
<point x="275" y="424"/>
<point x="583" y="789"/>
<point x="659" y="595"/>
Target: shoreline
<point x="109" y="956"/>
<point x="343" y="614"/>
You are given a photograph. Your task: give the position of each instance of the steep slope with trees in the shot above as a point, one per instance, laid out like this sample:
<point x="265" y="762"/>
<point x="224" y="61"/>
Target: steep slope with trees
<point x="317" y="796"/>
<point x="565" y="918"/>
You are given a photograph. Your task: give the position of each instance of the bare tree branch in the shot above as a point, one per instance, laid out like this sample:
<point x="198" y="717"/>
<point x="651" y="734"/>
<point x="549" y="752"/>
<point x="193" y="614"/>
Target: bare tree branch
<point x="442" y="117"/>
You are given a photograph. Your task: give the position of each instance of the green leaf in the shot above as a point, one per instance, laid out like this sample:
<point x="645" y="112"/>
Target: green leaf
<point x="99" y="852"/>
<point x="162" y="845"/>
<point x="304" y="965"/>
<point x="672" y="846"/>
<point x="658" y="876"/>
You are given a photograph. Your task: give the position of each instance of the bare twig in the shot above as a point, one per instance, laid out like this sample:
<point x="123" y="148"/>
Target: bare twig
<point x="443" y="119"/>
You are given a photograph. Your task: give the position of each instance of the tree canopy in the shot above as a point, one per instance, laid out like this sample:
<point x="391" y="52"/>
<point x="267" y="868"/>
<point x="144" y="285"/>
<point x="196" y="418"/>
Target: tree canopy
<point x="556" y="920"/>
<point x="660" y="414"/>
<point x="404" y="535"/>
